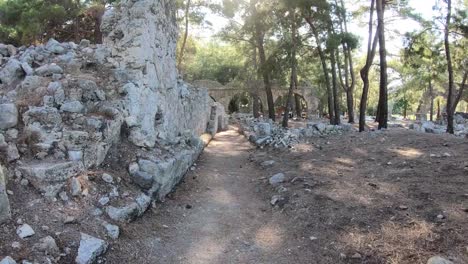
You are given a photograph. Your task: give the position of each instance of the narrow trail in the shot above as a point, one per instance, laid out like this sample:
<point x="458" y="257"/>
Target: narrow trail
<point x="217" y="215"/>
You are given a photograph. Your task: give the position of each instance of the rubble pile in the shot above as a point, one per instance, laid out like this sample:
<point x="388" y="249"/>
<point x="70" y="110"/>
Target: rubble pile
<point x="95" y="133"/>
<point x="263" y="132"/>
<point x="460" y="126"/>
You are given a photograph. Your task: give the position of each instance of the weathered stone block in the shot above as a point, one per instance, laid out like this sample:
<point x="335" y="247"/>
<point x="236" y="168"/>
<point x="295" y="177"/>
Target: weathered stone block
<point x="4" y="203"/>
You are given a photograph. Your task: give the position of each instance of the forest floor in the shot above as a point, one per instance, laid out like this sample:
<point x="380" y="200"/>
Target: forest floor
<point x="378" y="197"/>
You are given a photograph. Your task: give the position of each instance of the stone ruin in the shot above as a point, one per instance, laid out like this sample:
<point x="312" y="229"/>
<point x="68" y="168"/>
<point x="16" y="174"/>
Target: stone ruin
<point x="66" y="108"/>
<point x="266" y="133"/>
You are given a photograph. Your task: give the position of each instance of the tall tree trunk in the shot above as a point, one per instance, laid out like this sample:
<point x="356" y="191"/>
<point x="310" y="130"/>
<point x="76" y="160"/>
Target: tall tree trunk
<point x="297" y="101"/>
<point x="450" y="113"/>
<point x="349" y="76"/>
<point x="293" y="69"/>
<point x="260" y="35"/>
<point x="336" y="101"/>
<point x="184" y="41"/>
<point x="431" y="93"/>
<point x="371" y="50"/>
<point x="255" y="104"/>
<point x="383" y="96"/>
<point x="324" y="69"/>
<point x="438" y="110"/>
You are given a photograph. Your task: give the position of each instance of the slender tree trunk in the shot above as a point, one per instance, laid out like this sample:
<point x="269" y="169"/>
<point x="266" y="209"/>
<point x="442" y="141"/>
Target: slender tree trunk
<point x="336" y="102"/>
<point x="260" y="35"/>
<point x="450" y="104"/>
<point x="460" y="93"/>
<point x="324" y="69"/>
<point x="184" y="41"/>
<point x="438" y="110"/>
<point x="383" y="97"/>
<point x="293" y="69"/>
<point x="431" y="92"/>
<point x="371" y="50"/>
<point x="349" y="76"/>
<point x="255" y="104"/>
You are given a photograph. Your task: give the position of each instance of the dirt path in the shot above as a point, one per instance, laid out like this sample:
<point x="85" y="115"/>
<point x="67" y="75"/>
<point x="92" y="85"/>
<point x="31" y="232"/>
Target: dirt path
<point x="216" y="216"/>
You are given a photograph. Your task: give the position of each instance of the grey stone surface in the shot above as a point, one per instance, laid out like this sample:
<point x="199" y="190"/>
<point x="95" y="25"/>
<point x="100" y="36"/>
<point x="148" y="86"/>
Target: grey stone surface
<point x="25" y="231"/>
<point x="8" y="116"/>
<point x="112" y="231"/>
<point x="439" y="260"/>
<point x="8" y="260"/>
<point x="277" y="179"/>
<point x="4" y="202"/>
<point x="90" y="249"/>
<point x="50" y="177"/>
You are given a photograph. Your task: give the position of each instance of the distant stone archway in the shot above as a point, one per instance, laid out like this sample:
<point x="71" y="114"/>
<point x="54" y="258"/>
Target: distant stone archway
<point x="224" y="93"/>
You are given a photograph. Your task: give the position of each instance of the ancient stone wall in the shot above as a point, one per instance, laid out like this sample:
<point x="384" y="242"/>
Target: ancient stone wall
<point x="65" y="106"/>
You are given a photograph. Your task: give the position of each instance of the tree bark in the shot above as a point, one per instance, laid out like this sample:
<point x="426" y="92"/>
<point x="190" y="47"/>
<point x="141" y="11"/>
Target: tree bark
<point x="371" y="50"/>
<point x="431" y="93"/>
<point x="260" y="35"/>
<point x="336" y="101"/>
<point x="324" y="69"/>
<point x="293" y="69"/>
<point x="255" y="103"/>
<point x="297" y="101"/>
<point x="448" y="56"/>
<point x="184" y="41"/>
<point x="383" y="96"/>
<point x="349" y="76"/>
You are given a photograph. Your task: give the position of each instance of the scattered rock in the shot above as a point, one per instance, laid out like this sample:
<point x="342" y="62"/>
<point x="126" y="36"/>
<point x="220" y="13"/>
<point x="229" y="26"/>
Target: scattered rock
<point x="63" y="196"/>
<point x="113" y="231"/>
<point x="8" y="260"/>
<point x="104" y="201"/>
<point x="8" y="116"/>
<point x="75" y="187"/>
<point x="107" y="178"/>
<point x="403" y="207"/>
<point x="277" y="179"/>
<point x="90" y="249"/>
<point x="48" y="246"/>
<point x="25" y="231"/>
<point x="438" y="260"/>
<point x="267" y="163"/>
<point x="356" y="256"/>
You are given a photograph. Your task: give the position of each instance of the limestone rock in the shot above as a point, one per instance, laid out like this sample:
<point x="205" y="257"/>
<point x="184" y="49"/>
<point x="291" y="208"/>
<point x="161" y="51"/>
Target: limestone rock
<point x="49" y="70"/>
<point x="113" y="231"/>
<point x="438" y="260"/>
<point x="11" y="72"/>
<point x="8" y="260"/>
<point x="142" y="179"/>
<point x="131" y="211"/>
<point x="267" y="163"/>
<point x="25" y="231"/>
<point x="75" y="187"/>
<point x="47" y="245"/>
<point x="8" y="116"/>
<point x="72" y="107"/>
<point x="4" y="203"/>
<point x="107" y="178"/>
<point x="277" y="179"/>
<point x="90" y="249"/>
<point x="50" y="177"/>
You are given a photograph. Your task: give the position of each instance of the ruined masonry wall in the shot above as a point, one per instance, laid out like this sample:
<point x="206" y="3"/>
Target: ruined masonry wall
<point x="142" y="38"/>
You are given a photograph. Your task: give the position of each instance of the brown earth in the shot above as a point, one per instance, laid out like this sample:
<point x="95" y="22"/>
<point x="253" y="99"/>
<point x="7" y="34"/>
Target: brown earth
<point x="375" y="197"/>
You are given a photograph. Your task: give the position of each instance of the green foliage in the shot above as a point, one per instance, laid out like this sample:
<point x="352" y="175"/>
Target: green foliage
<point x="212" y="61"/>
